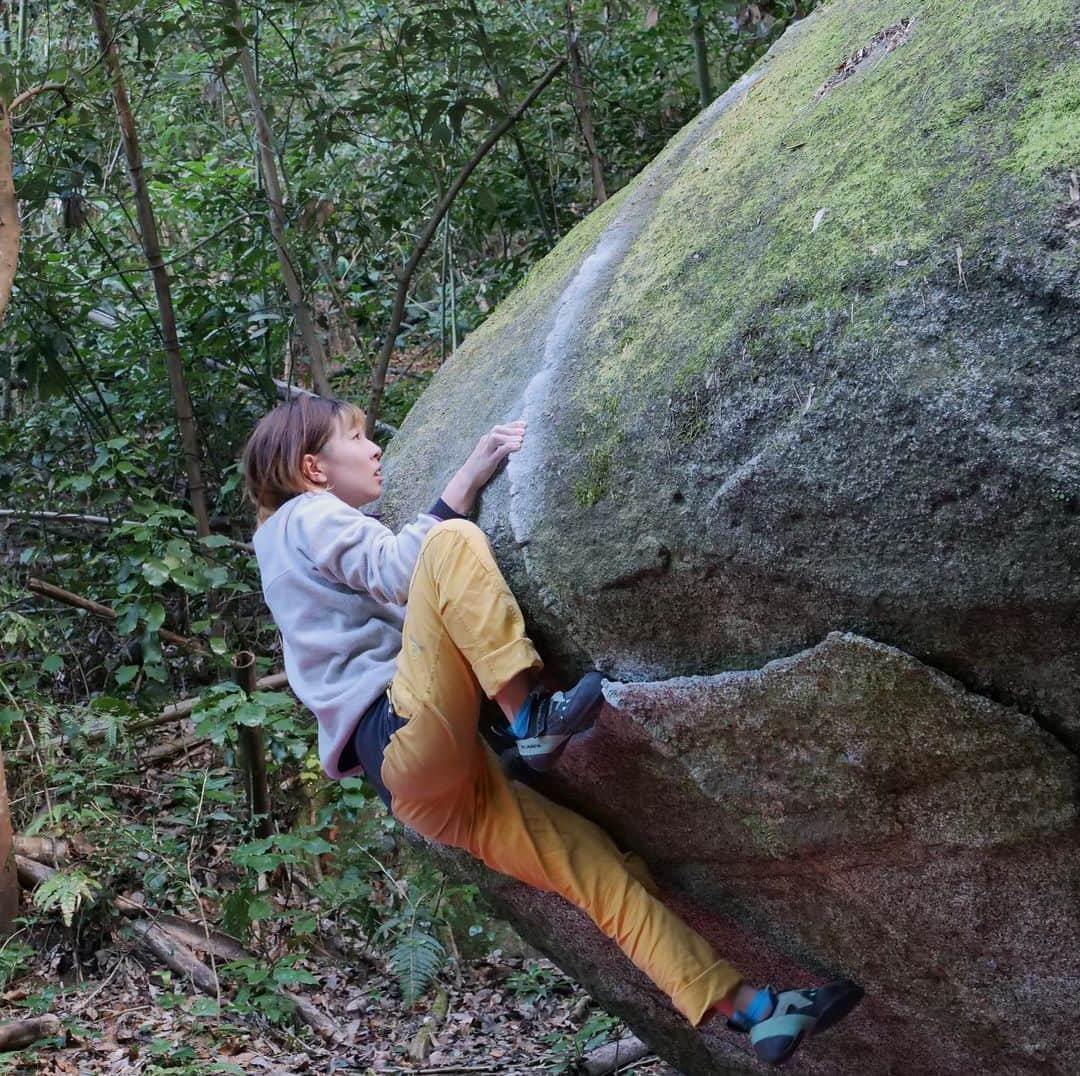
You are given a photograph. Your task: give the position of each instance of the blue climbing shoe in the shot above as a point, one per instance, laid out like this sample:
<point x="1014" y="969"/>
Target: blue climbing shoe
<point x="544" y="724"/>
<point x="795" y="1015"/>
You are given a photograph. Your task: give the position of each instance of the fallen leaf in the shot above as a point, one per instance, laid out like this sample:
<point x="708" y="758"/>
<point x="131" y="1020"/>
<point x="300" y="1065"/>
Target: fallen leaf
<point x="819" y="216"/>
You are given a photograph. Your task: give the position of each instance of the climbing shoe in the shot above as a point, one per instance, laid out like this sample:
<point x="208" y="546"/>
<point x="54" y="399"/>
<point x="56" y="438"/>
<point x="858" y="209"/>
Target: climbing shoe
<point x="795" y="1015"/>
<point x="545" y="722"/>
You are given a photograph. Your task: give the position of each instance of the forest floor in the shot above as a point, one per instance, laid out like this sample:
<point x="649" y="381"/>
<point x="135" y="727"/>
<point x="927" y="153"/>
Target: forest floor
<point x="127" y="1015"/>
<point x="133" y="865"/>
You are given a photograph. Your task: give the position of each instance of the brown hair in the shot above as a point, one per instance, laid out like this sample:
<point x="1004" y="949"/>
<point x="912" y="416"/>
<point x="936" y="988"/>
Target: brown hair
<point x="272" y="455"/>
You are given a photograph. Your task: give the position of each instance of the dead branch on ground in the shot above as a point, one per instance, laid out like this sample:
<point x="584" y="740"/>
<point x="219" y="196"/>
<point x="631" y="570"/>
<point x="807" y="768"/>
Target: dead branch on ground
<point x="20" y="1033"/>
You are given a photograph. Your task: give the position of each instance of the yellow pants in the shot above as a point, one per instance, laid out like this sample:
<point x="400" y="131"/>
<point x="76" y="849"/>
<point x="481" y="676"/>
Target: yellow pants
<point x="464" y="634"/>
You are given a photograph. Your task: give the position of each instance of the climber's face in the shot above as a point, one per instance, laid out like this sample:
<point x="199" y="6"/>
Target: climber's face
<point x="348" y="465"/>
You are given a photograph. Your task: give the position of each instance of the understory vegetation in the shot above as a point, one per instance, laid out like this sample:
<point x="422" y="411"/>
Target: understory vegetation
<point x="163" y="783"/>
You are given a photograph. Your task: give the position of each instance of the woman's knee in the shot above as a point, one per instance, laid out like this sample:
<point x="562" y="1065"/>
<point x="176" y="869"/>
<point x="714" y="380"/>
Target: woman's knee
<point x="445" y="543"/>
<point x="455" y="530"/>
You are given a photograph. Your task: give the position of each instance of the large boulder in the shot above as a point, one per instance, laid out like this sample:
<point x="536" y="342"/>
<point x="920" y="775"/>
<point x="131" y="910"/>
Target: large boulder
<point x="817" y="370"/>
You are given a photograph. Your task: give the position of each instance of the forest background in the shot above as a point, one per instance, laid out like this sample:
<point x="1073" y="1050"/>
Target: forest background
<point x="330" y="197"/>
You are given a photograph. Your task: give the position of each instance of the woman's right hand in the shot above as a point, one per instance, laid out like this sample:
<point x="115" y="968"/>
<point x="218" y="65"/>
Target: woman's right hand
<point x="484" y="460"/>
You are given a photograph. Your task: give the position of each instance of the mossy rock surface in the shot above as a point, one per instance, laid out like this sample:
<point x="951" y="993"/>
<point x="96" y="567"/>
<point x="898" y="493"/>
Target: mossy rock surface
<point x="817" y="371"/>
<point x="817" y="368"/>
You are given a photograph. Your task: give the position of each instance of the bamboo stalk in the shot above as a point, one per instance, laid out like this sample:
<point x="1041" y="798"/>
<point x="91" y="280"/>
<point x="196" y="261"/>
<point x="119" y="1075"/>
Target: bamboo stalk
<point x="253" y="747"/>
<point x="268" y="167"/>
<point x="701" y="60"/>
<point x="577" y="81"/>
<point x="9" y="881"/>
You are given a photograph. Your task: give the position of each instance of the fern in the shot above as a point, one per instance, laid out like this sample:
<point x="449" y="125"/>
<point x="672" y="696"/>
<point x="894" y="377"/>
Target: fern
<point x="65" y="890"/>
<point x="415" y="960"/>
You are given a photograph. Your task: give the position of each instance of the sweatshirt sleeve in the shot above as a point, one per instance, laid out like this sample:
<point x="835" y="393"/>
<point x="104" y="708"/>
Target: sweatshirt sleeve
<point x="349" y="547"/>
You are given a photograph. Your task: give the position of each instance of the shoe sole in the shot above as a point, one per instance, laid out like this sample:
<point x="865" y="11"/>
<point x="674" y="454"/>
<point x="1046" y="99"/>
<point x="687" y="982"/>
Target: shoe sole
<point x="838" y="999"/>
<point x="542" y="752"/>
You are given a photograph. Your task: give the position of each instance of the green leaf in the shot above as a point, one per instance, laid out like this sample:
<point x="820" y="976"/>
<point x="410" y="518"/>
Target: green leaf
<point x="259" y="908"/>
<point x="125" y="674"/>
<point x="66" y="890"/>
<point x="155" y="671"/>
<point x="155" y="616"/>
<point x="127" y="619"/>
<point x="52" y="664"/>
<point x="250" y="714"/>
<point x="218" y="645"/>
<point x="288" y="976"/>
<point x="304" y="924"/>
<point x="415" y="959"/>
<point x="188" y="582"/>
<point x="155" y="571"/>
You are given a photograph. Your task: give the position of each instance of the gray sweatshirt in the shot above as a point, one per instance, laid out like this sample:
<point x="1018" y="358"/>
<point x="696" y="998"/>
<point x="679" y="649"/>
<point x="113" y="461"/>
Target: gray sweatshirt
<point x="336" y="582"/>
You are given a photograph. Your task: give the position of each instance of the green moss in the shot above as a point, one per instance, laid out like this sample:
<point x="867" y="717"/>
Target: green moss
<point x="802" y="205"/>
<point x="1048" y="135"/>
<point x="955" y="111"/>
<point x="571" y="250"/>
<point x="594" y="482"/>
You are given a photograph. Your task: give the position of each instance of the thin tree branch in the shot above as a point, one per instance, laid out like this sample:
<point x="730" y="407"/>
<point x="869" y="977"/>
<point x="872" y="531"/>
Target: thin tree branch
<point x="272" y="185"/>
<point x="577" y="81"/>
<point x="50" y="590"/>
<point x="34" y="91"/>
<point x="33" y="515"/>
<point x="378" y="377"/>
<point x="152" y="249"/>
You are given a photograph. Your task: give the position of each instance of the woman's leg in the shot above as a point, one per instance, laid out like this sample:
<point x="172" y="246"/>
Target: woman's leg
<point x="464" y="635"/>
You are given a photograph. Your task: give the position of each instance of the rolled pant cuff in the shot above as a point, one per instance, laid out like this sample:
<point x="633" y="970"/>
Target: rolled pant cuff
<point x="699" y="995"/>
<point x="495" y="670"/>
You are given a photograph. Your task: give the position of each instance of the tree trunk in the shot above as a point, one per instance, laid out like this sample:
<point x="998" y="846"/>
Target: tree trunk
<point x="185" y="416"/>
<point x="9" y="212"/>
<point x="272" y="184"/>
<point x="9" y="879"/>
<point x="701" y="60"/>
<point x="577" y="81"/>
